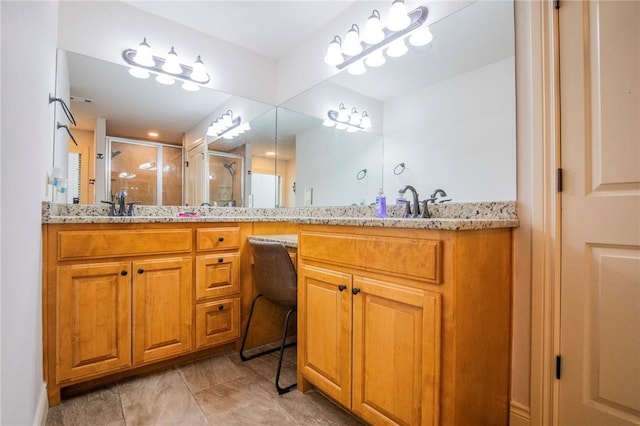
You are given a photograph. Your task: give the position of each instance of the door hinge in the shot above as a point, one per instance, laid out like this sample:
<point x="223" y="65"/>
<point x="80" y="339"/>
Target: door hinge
<point x="186" y="164"/>
<point x="559" y="179"/>
<point x="556" y="4"/>
<point x="558" y="366"/>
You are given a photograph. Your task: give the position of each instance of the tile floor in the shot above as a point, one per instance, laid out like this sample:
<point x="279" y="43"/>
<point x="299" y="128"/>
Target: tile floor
<point x="221" y="390"/>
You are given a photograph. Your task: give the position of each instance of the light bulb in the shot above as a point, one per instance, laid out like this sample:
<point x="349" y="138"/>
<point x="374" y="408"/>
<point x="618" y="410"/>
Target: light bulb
<point x="334" y="52"/>
<point x="138" y="72"/>
<point x="398" y="18"/>
<point x="357" y="68"/>
<point x="171" y="64"/>
<point x="342" y="113"/>
<point x="352" y="44"/>
<point x="341" y="126"/>
<point x="375" y="59"/>
<point x="246" y="126"/>
<point x="421" y="37"/>
<point x="211" y="131"/>
<point x="397" y="48"/>
<point x="366" y="120"/>
<point x="190" y="86"/>
<point x="164" y="79"/>
<point x="352" y="129"/>
<point x="373" y="33"/>
<point x="199" y="73"/>
<point x="328" y="123"/>
<point x="227" y="121"/>
<point x="354" y="118"/>
<point x="144" y="56"/>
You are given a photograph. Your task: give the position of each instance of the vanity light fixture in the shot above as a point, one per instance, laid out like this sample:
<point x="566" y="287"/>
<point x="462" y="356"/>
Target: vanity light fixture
<point x="360" y="48"/>
<point x="227" y="127"/>
<point x="167" y="70"/>
<point x="349" y="121"/>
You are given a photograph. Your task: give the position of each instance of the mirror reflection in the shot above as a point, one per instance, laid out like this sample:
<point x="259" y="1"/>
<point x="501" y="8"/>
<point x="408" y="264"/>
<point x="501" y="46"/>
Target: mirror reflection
<point x="445" y="111"/>
<point x="157" y="133"/>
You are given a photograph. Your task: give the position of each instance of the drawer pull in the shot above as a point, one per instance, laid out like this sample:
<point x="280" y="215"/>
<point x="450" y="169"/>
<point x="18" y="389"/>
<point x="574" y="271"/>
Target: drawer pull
<point x="355" y="290"/>
<point x="123" y="273"/>
<point x="342" y="287"/>
<point x="220" y="239"/>
<point x="221" y="307"/>
<point x="141" y="271"/>
<point x="220" y="260"/>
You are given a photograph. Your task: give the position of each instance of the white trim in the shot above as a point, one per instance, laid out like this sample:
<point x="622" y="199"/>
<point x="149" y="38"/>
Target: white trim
<point x="519" y="415"/>
<point x="42" y="409"/>
<point x="546" y="213"/>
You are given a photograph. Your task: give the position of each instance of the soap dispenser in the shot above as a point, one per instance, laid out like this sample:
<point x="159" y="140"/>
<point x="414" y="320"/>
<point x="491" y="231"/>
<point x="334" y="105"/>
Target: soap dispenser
<point x="381" y="205"/>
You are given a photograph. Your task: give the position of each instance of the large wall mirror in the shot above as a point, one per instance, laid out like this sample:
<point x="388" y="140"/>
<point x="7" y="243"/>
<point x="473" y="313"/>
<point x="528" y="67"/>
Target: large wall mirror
<point x="442" y="116"/>
<point x="151" y="140"/>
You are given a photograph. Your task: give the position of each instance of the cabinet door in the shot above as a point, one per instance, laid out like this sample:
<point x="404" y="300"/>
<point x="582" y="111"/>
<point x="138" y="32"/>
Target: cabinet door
<point x="93" y="324"/>
<point x="324" y="330"/>
<point x="217" y="322"/>
<point x="217" y="275"/>
<point x="396" y="353"/>
<point x="162" y="308"/>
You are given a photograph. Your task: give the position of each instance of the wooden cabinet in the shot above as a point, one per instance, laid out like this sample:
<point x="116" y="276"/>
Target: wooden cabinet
<point x="93" y="310"/>
<point x="118" y="298"/>
<point x="162" y="308"/>
<point x="217" y="286"/>
<point x="406" y="327"/>
<point x="371" y="345"/>
<point x="107" y="311"/>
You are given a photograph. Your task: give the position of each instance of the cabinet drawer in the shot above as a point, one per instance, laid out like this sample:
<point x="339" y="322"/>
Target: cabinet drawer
<point x="217" y="275"/>
<point x="218" y="238"/>
<point x="411" y="257"/>
<point x="217" y="322"/>
<point x="114" y="243"/>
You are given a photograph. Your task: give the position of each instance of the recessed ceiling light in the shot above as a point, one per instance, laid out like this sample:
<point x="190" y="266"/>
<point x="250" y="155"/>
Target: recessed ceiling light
<point x="153" y="134"/>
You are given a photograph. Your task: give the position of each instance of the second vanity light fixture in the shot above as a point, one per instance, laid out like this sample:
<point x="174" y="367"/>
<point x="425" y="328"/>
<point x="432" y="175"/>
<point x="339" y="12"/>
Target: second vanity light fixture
<point x="144" y="63"/>
<point x="227" y="127"/>
<point x="360" y="48"/>
<point x="349" y="121"/>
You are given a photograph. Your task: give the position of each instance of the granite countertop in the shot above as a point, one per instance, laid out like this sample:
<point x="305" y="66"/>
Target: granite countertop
<point x="287" y="240"/>
<point x="445" y="216"/>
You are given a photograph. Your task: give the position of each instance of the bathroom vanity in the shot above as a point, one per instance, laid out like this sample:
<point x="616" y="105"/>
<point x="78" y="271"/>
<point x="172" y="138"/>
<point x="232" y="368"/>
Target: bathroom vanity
<point x="401" y="321"/>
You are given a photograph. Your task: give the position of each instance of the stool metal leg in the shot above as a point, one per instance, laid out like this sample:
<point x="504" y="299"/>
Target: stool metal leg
<point x="246" y="332"/>
<point x="282" y="390"/>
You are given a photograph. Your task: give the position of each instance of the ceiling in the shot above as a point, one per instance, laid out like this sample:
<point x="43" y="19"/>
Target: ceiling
<point x="263" y="27"/>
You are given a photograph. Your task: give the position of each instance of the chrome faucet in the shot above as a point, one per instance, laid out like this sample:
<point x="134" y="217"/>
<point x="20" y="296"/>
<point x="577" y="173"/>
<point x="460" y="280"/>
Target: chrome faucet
<point x="121" y="198"/>
<point x="416" y="204"/>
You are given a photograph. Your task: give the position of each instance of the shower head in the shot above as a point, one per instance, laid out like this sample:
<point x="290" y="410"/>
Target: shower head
<point x="229" y="166"/>
<point x="115" y="153"/>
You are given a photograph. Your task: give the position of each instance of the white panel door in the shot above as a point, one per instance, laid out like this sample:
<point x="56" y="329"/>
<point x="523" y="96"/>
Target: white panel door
<point x="600" y="152"/>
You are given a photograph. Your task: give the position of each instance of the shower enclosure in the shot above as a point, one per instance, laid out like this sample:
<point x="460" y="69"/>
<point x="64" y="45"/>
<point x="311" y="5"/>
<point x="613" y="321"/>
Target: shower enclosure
<point x="226" y="180"/>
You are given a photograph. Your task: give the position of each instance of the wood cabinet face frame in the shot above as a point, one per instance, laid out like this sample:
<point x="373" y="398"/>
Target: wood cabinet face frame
<point x="149" y="272"/>
<point x="465" y="316"/>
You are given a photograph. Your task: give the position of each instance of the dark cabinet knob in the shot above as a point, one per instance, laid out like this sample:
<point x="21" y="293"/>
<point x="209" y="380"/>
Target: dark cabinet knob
<point x="355" y="290"/>
<point x="220" y="239"/>
<point x="342" y="287"/>
<point x="220" y="260"/>
<point x="221" y="307"/>
<point x="141" y="271"/>
<point x="123" y="273"/>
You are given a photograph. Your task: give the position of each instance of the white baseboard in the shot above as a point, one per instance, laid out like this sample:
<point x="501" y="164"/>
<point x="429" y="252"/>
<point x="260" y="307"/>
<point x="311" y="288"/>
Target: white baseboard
<point x="519" y="415"/>
<point x="42" y="409"/>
